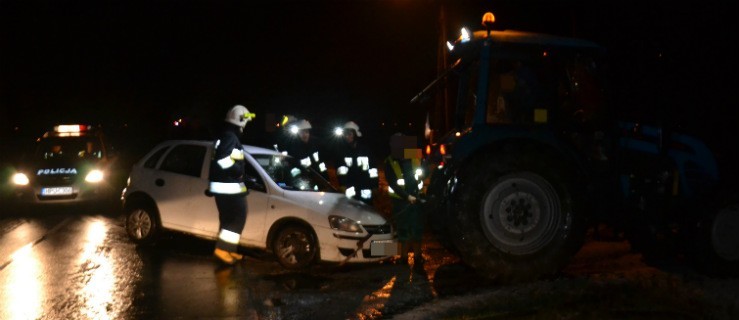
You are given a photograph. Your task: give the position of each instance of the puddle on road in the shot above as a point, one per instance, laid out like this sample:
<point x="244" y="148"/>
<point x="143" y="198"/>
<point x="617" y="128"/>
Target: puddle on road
<point x="298" y="281"/>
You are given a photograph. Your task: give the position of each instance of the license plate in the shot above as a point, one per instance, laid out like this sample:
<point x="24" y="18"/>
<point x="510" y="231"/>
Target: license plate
<point x="56" y="191"/>
<point x="384" y="248"/>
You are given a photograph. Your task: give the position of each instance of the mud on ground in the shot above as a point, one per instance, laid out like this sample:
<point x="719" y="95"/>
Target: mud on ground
<point x="604" y="281"/>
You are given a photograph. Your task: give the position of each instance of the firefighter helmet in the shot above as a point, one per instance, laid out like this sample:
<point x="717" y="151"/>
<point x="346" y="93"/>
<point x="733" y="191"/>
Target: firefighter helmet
<point x="296" y="126"/>
<point x="239" y="116"/>
<point x="303" y="125"/>
<point x="287" y="120"/>
<point x="353" y="126"/>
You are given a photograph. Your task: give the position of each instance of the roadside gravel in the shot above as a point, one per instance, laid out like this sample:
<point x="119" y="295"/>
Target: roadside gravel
<point x="604" y="281"/>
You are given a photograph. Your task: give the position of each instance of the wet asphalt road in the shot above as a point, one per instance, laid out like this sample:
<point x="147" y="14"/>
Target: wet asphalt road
<point x="73" y="264"/>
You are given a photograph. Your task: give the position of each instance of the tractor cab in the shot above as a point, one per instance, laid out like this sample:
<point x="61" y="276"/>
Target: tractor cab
<point x="511" y="84"/>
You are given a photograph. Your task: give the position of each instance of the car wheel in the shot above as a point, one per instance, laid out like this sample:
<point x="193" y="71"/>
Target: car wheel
<point x="295" y="247"/>
<point x="142" y="224"/>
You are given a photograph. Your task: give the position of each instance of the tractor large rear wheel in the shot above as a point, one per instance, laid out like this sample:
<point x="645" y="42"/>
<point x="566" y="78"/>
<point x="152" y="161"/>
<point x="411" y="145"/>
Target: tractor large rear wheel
<point x="715" y="249"/>
<point x="515" y="218"/>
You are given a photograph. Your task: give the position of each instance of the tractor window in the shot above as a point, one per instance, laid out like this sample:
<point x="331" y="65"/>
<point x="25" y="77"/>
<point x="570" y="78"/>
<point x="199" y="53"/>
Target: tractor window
<point x="513" y="93"/>
<point x="517" y="91"/>
<point x="465" y="90"/>
<point x="581" y="91"/>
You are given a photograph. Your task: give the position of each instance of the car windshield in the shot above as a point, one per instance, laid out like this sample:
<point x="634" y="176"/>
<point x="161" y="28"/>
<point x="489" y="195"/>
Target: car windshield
<point x="68" y="148"/>
<point x="287" y="173"/>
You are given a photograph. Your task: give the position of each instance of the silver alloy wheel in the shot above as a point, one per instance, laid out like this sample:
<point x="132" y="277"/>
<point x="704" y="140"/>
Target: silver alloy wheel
<point x="521" y="213"/>
<point x="139" y="224"/>
<point x="294" y="247"/>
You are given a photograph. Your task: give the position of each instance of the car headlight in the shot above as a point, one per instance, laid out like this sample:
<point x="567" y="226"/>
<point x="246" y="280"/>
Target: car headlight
<point x="344" y="224"/>
<point x="20" y="179"/>
<point x="94" y="176"/>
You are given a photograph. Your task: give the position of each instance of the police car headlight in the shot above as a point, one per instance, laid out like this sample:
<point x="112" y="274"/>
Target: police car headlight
<point x="344" y="224"/>
<point x="94" y="176"/>
<point x="20" y="179"/>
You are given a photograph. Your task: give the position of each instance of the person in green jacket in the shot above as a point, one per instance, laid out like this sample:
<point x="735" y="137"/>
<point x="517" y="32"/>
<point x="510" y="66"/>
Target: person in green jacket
<point x="404" y="177"/>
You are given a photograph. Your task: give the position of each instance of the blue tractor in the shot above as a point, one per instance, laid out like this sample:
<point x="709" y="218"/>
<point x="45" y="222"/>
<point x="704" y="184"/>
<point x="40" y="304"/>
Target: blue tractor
<point x="536" y="157"/>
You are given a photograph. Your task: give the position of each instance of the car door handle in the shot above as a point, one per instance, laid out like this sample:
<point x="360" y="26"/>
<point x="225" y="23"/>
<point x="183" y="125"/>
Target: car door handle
<point x="159" y="182"/>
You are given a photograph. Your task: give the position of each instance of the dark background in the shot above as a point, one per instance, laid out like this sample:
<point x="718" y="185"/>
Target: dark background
<point x="135" y="67"/>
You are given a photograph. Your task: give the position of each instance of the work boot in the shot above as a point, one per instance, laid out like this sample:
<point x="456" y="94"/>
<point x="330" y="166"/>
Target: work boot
<point x="224" y="256"/>
<point x="237" y="256"/>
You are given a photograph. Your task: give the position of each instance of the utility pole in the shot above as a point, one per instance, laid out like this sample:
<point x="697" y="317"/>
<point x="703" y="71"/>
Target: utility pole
<point x="442" y="120"/>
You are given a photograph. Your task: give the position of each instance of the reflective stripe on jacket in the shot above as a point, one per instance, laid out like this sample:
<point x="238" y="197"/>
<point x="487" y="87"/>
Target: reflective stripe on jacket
<point x="396" y="178"/>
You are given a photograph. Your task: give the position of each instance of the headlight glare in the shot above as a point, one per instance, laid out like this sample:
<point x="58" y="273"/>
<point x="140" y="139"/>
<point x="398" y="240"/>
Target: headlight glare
<point x="344" y="224"/>
<point x="94" y="176"/>
<point x="20" y="179"/>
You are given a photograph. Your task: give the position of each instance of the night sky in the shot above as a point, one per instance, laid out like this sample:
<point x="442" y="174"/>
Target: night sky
<point x="144" y="64"/>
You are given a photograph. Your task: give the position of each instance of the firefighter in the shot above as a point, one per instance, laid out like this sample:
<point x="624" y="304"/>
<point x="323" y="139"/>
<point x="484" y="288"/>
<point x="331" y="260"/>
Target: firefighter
<point x="306" y="148"/>
<point x="227" y="184"/>
<point x="404" y="175"/>
<point x="354" y="170"/>
<point x="283" y="136"/>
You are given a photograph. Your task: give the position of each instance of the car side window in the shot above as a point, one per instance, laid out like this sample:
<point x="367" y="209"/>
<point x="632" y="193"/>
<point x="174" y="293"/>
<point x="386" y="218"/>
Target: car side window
<point x="151" y="163"/>
<point x="252" y="179"/>
<point x="185" y="159"/>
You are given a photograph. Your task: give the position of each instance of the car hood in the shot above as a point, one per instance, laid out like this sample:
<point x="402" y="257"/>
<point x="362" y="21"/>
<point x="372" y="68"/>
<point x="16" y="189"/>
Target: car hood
<point x="328" y="203"/>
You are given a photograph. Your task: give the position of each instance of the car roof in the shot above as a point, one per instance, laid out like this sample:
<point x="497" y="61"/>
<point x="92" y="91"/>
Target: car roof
<point x="248" y="148"/>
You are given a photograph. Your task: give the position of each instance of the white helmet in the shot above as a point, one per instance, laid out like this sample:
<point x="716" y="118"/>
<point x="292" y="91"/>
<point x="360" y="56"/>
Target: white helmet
<point x="353" y="126"/>
<point x="303" y="125"/>
<point x="296" y="126"/>
<point x="239" y="116"/>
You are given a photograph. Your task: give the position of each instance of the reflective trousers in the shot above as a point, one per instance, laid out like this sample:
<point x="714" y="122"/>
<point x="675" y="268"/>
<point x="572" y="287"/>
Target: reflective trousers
<point x="232" y="211"/>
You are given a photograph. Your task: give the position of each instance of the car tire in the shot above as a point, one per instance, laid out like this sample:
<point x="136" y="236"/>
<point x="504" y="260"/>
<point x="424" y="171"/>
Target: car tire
<point x="295" y="247"/>
<point x="515" y="217"/>
<point x="142" y="224"/>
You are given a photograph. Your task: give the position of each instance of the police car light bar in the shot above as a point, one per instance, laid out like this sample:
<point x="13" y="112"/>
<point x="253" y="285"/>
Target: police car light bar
<point x="70" y="128"/>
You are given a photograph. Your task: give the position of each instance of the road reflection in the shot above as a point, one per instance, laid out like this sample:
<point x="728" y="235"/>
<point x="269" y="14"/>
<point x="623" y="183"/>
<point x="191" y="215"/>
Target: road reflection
<point x="85" y="267"/>
<point x="373" y="304"/>
<point x="98" y="272"/>
<point x="23" y="291"/>
<point x="68" y="269"/>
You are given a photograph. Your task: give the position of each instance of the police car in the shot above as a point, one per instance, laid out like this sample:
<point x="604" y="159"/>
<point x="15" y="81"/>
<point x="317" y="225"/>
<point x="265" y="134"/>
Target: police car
<point x="293" y="212"/>
<point x="69" y="164"/>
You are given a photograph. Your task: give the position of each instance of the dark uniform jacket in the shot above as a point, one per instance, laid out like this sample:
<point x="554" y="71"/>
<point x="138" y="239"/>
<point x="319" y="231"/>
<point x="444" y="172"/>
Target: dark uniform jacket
<point x="408" y="174"/>
<point x="227" y="164"/>
<point x="354" y="168"/>
<point x="309" y="154"/>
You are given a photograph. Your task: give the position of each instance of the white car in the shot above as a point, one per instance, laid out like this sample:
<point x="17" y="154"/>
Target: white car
<point x="292" y="211"/>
